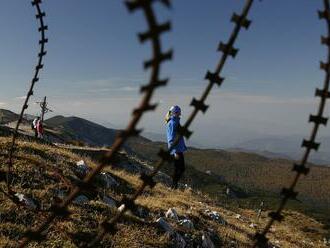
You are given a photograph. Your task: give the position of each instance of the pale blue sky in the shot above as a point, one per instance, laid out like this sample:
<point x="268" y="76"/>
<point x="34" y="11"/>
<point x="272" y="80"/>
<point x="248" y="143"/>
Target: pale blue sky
<point x="94" y="63"/>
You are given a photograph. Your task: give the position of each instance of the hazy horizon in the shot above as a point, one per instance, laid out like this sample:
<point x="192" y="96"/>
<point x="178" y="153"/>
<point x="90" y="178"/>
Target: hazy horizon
<point x="93" y="68"/>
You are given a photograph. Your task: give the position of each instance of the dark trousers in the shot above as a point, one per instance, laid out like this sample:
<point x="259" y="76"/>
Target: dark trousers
<point x="179" y="168"/>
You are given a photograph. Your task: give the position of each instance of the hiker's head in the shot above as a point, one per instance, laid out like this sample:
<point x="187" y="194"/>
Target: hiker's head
<point x="175" y="110"/>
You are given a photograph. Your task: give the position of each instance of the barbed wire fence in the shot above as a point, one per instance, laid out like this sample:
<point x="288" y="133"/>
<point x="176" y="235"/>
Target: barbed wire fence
<point x="199" y="105"/>
<point x="42" y="52"/>
<point x="213" y="78"/>
<point x="301" y="168"/>
<point x="227" y="49"/>
<point x="57" y="173"/>
<point x="158" y="57"/>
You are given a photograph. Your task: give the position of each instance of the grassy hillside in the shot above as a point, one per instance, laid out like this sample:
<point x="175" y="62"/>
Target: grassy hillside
<point x="74" y="128"/>
<point x="259" y="177"/>
<point x="7" y="116"/>
<point x="34" y="175"/>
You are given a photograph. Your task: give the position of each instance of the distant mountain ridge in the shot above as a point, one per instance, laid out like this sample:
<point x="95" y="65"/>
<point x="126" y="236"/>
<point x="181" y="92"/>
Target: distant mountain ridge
<point x="80" y="129"/>
<point x="207" y="169"/>
<point x="286" y="147"/>
<point x="7" y="116"/>
<point x="73" y="128"/>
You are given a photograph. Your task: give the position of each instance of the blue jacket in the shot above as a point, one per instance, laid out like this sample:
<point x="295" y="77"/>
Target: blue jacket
<point x="171" y="131"/>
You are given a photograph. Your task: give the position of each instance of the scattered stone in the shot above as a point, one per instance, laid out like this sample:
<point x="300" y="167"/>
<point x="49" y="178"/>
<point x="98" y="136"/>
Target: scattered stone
<point x="206" y="241"/>
<point x="142" y="212"/>
<point x="208" y="172"/>
<point x="26" y="201"/>
<point x="109" y="201"/>
<point x="252" y="225"/>
<point x="214" y="215"/>
<point x="164" y="225"/>
<point x="179" y="241"/>
<point x="81" y="169"/>
<point x="259" y="211"/>
<point x="188" y="188"/>
<point x="214" y="237"/>
<point x="172" y="214"/>
<point x="121" y="208"/>
<point x="234" y="243"/>
<point x="81" y="199"/>
<point x="186" y="223"/>
<point x="106" y="180"/>
<point x="238" y="216"/>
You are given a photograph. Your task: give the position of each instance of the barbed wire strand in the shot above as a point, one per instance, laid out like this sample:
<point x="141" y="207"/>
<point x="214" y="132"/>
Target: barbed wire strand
<point x="154" y="64"/>
<point x="199" y="105"/>
<point x="42" y="52"/>
<point x="309" y="145"/>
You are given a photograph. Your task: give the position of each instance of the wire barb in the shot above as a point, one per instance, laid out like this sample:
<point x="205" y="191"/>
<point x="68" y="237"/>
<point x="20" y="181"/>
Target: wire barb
<point x="301" y="169"/>
<point x="214" y="78"/>
<point x="227" y="49"/>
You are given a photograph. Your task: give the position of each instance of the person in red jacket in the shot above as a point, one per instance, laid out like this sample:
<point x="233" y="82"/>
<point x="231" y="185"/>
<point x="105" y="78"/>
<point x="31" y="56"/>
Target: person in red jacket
<point x="40" y="129"/>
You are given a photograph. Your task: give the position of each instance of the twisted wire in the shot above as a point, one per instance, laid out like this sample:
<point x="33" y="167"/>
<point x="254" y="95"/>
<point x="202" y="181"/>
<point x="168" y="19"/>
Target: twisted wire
<point x="42" y="52"/>
<point x="227" y="49"/>
<point x="301" y="168"/>
<point x="158" y="57"/>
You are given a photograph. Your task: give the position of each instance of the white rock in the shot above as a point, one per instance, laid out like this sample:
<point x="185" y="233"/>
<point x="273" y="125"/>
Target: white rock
<point x="238" y="216"/>
<point x="107" y="180"/>
<point x="172" y="214"/>
<point x="214" y="215"/>
<point x="121" y="208"/>
<point x="164" y="225"/>
<point x="82" y="168"/>
<point x="26" y="201"/>
<point x="207" y="242"/>
<point x="81" y="163"/>
<point x="186" y="223"/>
<point x="109" y="201"/>
<point x="252" y="225"/>
<point x="208" y="172"/>
<point x="81" y="199"/>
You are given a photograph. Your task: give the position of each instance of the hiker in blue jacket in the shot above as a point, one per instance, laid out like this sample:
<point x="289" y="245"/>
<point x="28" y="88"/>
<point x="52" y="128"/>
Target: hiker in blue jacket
<point x="172" y="124"/>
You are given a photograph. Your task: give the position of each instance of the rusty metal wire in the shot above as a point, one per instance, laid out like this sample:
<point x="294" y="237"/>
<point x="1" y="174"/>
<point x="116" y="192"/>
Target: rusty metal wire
<point x="42" y="52"/>
<point x="301" y="168"/>
<point x="158" y="57"/>
<point x="227" y="49"/>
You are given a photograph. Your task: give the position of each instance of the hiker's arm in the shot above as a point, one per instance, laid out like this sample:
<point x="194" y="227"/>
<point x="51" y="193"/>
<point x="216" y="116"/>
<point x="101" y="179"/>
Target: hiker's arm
<point x="171" y="133"/>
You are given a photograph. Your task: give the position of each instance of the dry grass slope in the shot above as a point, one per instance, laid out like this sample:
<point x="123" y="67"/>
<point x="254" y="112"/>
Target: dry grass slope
<point x="35" y="176"/>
